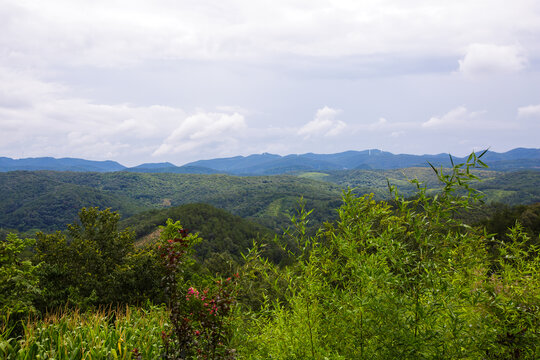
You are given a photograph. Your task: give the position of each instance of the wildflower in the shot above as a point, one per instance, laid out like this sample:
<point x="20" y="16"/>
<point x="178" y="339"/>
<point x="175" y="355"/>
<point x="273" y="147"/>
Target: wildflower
<point x="193" y="291"/>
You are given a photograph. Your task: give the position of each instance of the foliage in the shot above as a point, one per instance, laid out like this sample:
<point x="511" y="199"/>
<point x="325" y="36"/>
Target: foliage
<point x="107" y="333"/>
<point x="18" y="282"/>
<point x="47" y="200"/>
<point x="95" y="263"/>
<point x="503" y="217"/>
<point x="199" y="321"/>
<point x="408" y="281"/>
<point x="220" y="231"/>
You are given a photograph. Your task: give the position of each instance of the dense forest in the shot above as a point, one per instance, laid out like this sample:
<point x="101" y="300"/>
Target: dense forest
<point x="47" y="200"/>
<point x="428" y="272"/>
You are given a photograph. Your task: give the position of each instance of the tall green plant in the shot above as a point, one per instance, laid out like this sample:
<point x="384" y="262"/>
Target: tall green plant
<point x="405" y="281"/>
<point x="18" y="282"/>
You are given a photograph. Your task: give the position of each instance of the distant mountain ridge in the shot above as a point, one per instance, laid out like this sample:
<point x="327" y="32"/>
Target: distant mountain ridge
<point x="272" y="164"/>
<point x="63" y="164"/>
<point x="269" y="164"/>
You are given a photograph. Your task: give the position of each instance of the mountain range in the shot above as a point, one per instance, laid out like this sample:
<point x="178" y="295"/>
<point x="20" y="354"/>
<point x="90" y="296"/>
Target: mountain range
<point x="272" y="164"/>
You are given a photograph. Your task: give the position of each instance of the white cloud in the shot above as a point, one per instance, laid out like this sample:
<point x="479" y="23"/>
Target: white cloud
<point x="43" y="119"/>
<point x="529" y="111"/>
<point x="458" y="117"/>
<point x="488" y="59"/>
<point x="203" y="130"/>
<point x="324" y="124"/>
<point x="122" y="32"/>
<point x="379" y="124"/>
<point x="258" y="55"/>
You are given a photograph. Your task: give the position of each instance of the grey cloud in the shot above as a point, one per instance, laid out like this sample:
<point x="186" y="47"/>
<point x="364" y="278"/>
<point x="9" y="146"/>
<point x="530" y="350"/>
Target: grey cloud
<point x="123" y="33"/>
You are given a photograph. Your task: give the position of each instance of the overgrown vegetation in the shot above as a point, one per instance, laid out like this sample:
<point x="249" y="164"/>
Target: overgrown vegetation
<point x="401" y="279"/>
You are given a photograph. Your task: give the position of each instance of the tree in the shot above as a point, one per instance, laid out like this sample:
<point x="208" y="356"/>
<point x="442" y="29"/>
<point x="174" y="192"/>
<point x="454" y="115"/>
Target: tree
<point x="95" y="263"/>
<point x="18" y="281"/>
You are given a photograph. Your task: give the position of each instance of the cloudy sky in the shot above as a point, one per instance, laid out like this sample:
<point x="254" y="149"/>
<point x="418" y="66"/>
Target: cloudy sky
<point x="182" y="80"/>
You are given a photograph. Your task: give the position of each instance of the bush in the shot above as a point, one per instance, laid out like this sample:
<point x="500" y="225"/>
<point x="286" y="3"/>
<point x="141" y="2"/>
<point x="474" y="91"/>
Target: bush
<point x="199" y="320"/>
<point x="18" y="283"/>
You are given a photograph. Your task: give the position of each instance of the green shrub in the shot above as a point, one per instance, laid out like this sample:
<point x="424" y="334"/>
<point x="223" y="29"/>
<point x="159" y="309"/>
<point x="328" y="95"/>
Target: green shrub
<point x="18" y="282"/>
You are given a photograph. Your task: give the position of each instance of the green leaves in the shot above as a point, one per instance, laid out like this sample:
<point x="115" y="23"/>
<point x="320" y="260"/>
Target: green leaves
<point x="408" y="282"/>
<point x="18" y="282"/>
<point x="95" y="263"/>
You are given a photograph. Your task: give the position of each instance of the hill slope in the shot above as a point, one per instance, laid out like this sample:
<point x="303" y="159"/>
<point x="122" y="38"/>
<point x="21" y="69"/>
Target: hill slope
<point x="220" y="230"/>
<point x="36" y="200"/>
<point x="48" y="200"/>
<point x="266" y="199"/>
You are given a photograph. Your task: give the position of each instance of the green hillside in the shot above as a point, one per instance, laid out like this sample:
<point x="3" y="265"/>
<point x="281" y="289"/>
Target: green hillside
<point x="48" y="200"/>
<point x="519" y="187"/>
<point x="42" y="200"/>
<point x="220" y="230"/>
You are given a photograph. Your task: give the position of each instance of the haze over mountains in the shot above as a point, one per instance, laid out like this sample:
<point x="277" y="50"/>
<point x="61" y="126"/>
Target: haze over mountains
<point x="271" y="164"/>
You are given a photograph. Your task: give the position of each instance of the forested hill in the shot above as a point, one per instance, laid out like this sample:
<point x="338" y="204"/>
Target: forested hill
<point x="221" y="232"/>
<point x="516" y="187"/>
<point x="48" y="200"/>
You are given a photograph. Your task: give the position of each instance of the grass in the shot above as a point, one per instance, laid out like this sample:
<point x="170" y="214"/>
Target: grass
<point x="313" y="175"/>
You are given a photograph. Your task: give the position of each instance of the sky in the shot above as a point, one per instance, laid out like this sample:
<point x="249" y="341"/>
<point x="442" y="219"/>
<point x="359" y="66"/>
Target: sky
<point x="183" y="80"/>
